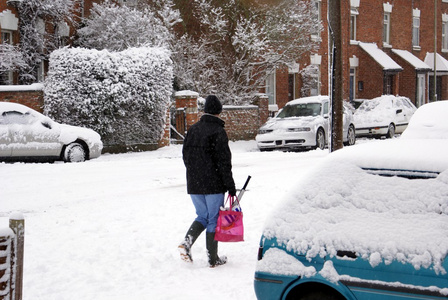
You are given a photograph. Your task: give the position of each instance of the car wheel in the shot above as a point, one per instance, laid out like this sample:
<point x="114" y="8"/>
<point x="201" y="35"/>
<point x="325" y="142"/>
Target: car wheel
<point x="351" y="136"/>
<point x="390" y="131"/>
<point x="319" y="296"/>
<point x="320" y="139"/>
<point x="74" y="152"/>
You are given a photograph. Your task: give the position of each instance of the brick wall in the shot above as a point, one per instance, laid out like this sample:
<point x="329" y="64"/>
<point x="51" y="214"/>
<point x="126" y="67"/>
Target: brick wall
<point x="408" y="75"/>
<point x="242" y="122"/>
<point x="30" y="98"/>
<point x="371" y="78"/>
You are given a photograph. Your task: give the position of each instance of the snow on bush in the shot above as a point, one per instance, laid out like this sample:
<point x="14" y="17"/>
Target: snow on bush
<point x="122" y="95"/>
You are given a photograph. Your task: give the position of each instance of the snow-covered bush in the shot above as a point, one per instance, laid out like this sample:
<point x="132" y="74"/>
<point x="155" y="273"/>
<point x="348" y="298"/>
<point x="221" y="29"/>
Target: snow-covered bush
<point x="122" y="95"/>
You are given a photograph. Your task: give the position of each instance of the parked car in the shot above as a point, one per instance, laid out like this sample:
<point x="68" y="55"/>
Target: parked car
<point x="370" y="222"/>
<point x="384" y="116"/>
<point x="303" y="124"/>
<point x="27" y="135"/>
<point x="428" y="122"/>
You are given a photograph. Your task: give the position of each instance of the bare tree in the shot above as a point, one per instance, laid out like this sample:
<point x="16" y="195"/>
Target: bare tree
<point x="118" y="27"/>
<point x="221" y="47"/>
<point x="238" y="44"/>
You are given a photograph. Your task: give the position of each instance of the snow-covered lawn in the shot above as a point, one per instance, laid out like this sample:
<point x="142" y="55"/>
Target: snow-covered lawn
<point x="109" y="228"/>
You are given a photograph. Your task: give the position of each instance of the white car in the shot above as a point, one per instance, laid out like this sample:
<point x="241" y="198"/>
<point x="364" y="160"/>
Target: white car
<point x="428" y="122"/>
<point x="303" y="124"/>
<point x="384" y="116"/>
<point x="27" y="135"/>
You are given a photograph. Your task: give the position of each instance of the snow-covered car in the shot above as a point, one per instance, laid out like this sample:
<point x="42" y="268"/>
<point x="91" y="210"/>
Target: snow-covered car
<point x="370" y="222"/>
<point x="303" y="124"/>
<point x="27" y="135"/>
<point x="384" y="116"/>
<point x="428" y="122"/>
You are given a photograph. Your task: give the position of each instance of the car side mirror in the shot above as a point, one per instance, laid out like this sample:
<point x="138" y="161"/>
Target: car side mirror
<point x="326" y="116"/>
<point x="399" y="111"/>
<point x="46" y="125"/>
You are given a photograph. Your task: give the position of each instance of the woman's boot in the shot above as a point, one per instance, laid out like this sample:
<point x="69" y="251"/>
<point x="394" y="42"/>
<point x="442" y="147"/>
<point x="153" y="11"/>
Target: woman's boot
<point x="193" y="232"/>
<point x="212" y="251"/>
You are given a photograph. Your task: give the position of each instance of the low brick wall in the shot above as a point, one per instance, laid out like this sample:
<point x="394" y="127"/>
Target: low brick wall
<point x="242" y="122"/>
<point x="31" y="96"/>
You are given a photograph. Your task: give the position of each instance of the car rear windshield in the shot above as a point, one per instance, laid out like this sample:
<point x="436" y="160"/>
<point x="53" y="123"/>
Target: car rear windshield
<point x="409" y="174"/>
<point x="300" y="110"/>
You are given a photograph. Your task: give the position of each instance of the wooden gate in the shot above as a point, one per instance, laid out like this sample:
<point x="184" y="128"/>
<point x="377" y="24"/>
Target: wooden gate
<point x="11" y="259"/>
<point x="181" y="125"/>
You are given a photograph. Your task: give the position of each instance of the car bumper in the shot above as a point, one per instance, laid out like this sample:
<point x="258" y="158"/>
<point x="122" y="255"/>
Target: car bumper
<point x="372" y="131"/>
<point x="95" y="150"/>
<point x="270" y="287"/>
<point x="287" y="141"/>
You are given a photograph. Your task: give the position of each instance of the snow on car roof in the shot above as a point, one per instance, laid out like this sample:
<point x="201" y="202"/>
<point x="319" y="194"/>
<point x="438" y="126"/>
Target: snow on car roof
<point x="377" y="111"/>
<point x="315" y="99"/>
<point x="429" y="122"/>
<point x="6" y="106"/>
<point x="341" y="206"/>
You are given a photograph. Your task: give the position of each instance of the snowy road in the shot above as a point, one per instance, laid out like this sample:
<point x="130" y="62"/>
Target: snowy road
<point x="109" y="228"/>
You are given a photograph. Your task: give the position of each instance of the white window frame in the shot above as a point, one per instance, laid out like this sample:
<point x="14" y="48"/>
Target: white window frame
<point x="416" y="24"/>
<point x="353" y="19"/>
<point x="387" y="16"/>
<point x="317" y="61"/>
<point x="316" y="91"/>
<point x="352" y="83"/>
<point x="6" y="33"/>
<point x="386" y="28"/>
<point x="293" y="69"/>
<point x="416" y="32"/>
<point x="445" y="32"/>
<point x="421" y="88"/>
<point x="445" y="36"/>
<point x="318" y="7"/>
<point x="270" y="89"/>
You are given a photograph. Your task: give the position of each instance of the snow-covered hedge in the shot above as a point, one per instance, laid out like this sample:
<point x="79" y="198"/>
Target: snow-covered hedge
<point x="122" y="95"/>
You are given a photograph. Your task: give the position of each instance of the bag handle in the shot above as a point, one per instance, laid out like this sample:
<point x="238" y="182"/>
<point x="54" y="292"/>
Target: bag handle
<point x="232" y="200"/>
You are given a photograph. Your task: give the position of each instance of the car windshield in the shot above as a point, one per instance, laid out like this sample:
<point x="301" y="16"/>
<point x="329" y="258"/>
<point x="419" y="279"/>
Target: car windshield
<point x="300" y="110"/>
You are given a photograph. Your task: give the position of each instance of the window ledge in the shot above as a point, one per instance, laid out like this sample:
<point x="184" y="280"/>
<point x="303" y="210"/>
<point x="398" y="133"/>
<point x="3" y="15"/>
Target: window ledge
<point x="416" y="48"/>
<point x="386" y="45"/>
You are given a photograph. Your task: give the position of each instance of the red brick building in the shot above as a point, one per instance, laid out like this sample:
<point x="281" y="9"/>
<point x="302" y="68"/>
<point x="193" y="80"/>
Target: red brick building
<point x="388" y="48"/>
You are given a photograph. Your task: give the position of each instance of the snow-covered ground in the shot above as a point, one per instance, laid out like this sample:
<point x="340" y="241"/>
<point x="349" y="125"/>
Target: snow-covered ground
<point x="109" y="228"/>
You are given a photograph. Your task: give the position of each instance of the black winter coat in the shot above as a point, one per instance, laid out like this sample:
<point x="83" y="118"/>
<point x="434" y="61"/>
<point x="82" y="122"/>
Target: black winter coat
<point x="207" y="157"/>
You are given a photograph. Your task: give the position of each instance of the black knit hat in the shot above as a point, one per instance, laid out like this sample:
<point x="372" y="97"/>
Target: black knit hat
<point x="212" y="105"/>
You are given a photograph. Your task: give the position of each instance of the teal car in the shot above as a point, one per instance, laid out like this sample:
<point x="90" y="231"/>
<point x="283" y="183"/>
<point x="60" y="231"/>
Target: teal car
<point x="370" y="222"/>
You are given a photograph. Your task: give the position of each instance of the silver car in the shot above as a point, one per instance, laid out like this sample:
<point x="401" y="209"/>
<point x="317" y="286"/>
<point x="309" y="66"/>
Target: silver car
<point x="27" y="135"/>
<point x="384" y="116"/>
<point x="303" y="124"/>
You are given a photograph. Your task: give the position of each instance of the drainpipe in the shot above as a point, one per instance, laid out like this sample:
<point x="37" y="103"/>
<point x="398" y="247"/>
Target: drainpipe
<point x="434" y="98"/>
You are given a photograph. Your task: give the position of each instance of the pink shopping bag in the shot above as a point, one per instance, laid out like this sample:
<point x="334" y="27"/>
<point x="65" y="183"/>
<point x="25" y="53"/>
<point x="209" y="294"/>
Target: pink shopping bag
<point x="230" y="225"/>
